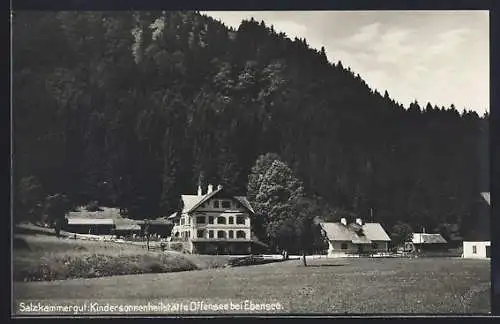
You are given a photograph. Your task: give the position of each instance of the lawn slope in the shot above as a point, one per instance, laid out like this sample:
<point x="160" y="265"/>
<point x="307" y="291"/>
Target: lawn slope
<point x="43" y="257"/>
<point x="354" y="286"/>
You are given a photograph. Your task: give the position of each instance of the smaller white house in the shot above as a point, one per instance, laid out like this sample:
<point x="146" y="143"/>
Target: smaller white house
<point x="478" y="249"/>
<point x="355" y="239"/>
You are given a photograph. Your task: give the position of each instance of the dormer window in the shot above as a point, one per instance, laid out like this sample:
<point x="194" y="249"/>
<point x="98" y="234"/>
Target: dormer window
<point x="216" y="204"/>
<point x="226" y="204"/>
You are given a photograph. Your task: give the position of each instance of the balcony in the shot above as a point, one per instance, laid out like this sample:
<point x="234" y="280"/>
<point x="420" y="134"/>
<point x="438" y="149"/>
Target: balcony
<point x="215" y="239"/>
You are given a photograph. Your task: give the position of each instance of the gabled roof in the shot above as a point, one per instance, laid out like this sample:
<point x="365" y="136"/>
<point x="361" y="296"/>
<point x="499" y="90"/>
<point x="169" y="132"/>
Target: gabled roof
<point x="90" y="221"/>
<point x="369" y="232"/>
<point x="128" y="227"/>
<point x="486" y="196"/>
<point x="192" y="202"/>
<point x="204" y="199"/>
<point x="103" y="212"/>
<point x="375" y="232"/>
<point x="173" y="215"/>
<point x="425" y="238"/>
<point x="244" y="201"/>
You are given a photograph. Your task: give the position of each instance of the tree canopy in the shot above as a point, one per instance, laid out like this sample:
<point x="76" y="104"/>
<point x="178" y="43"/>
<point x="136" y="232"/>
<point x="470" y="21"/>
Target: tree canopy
<point x="130" y="108"/>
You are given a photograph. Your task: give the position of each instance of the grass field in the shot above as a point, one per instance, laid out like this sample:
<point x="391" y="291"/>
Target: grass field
<point x="339" y="286"/>
<point x="42" y="257"/>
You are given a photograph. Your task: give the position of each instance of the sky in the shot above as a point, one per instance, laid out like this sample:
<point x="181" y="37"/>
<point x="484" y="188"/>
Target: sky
<point x="441" y="57"/>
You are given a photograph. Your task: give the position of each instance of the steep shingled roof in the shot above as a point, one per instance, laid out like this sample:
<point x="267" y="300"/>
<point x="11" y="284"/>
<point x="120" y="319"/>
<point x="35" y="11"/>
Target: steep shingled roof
<point x="486" y="196"/>
<point x="425" y="238"/>
<point x="104" y="212"/>
<point x="192" y="202"/>
<point x="369" y="232"/>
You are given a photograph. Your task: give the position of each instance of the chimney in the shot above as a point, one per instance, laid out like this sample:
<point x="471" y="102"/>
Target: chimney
<point x="210" y="188"/>
<point x="219" y="187"/>
<point x="359" y="221"/>
<point x="199" y="191"/>
<point x="343" y="221"/>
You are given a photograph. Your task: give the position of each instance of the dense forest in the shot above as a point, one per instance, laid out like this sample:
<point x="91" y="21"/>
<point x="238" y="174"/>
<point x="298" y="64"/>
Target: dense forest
<point x="131" y="109"/>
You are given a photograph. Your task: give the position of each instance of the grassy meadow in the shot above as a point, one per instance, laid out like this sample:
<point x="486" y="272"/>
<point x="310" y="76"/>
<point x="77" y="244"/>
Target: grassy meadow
<point x="43" y="257"/>
<point x="337" y="286"/>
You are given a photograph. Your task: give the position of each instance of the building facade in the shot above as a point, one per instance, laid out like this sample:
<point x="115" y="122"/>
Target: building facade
<point x="215" y="223"/>
<point x="477" y="250"/>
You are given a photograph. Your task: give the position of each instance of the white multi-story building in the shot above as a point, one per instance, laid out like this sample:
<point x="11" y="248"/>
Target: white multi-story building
<point x="215" y="223"/>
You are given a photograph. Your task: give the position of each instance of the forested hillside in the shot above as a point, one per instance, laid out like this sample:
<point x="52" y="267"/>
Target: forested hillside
<point x="132" y="109"/>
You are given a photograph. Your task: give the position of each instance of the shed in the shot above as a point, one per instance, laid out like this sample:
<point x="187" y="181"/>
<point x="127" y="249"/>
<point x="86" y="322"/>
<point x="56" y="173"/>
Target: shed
<point x="428" y="242"/>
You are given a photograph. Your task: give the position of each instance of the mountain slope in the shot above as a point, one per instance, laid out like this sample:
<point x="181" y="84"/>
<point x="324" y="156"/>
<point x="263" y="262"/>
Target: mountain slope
<point x="134" y="108"/>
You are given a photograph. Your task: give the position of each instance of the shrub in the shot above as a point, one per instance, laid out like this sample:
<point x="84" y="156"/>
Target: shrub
<point x="84" y="265"/>
<point x="177" y="246"/>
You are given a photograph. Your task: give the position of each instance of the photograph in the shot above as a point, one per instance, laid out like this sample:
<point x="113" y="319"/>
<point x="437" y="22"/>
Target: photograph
<point x="250" y="163"/>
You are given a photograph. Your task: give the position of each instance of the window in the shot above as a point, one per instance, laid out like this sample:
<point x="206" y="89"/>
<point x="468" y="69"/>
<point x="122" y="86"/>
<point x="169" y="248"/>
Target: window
<point x="201" y="233"/>
<point x="226" y="204"/>
<point x="221" y="220"/>
<point x="231" y="234"/>
<point x="211" y="234"/>
<point x="231" y="220"/>
<point x="210" y="219"/>
<point x="474" y="249"/>
<point x="221" y="234"/>
<point x="374" y="246"/>
<point x="189" y="234"/>
<point x="240" y="234"/>
<point x="216" y="204"/>
<point x="240" y="220"/>
<point x="200" y="219"/>
<point x="344" y="246"/>
<point x="182" y="221"/>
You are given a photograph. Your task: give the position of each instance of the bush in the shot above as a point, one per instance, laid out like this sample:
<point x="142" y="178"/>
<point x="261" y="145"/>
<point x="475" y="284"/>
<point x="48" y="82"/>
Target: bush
<point x="177" y="246"/>
<point x="249" y="260"/>
<point x="93" y="206"/>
